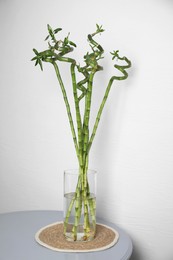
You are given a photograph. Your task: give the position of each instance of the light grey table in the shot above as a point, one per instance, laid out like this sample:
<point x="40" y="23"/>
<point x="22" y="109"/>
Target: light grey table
<point x="17" y="242"/>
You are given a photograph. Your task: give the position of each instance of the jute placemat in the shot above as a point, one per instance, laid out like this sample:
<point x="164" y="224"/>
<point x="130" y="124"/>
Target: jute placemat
<point x="52" y="237"/>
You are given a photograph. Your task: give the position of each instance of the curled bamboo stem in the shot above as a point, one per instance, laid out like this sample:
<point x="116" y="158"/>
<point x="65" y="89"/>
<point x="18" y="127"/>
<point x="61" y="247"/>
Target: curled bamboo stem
<point x="123" y="77"/>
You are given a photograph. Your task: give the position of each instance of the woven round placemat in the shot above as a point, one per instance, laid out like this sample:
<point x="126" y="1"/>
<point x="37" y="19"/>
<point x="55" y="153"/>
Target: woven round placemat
<point x="52" y="237"/>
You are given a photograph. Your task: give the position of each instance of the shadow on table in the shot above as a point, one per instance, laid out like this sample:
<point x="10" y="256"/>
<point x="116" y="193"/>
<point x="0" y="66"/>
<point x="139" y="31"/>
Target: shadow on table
<point x="135" y="255"/>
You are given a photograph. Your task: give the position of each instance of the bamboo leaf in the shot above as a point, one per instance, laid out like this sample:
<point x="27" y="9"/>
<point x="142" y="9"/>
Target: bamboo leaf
<point x="57" y="30"/>
<point x="49" y="28"/>
<point x="72" y="43"/>
<point x="36" y="62"/>
<point x="35" y="58"/>
<point x="99" y="28"/>
<point x="35" y="51"/>
<point x="40" y="63"/>
<point x="51" y="32"/>
<point x="114" y="54"/>
<point x="65" y="40"/>
<point x="47" y="38"/>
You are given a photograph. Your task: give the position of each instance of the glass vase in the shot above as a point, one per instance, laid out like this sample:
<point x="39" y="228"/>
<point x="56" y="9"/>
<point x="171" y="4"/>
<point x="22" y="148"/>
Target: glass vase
<point x="79" y="205"/>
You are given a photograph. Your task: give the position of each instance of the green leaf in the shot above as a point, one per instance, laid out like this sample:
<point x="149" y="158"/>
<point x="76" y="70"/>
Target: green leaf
<point x="47" y="38"/>
<point x="50" y="32"/>
<point x="35" y="51"/>
<point x="115" y="54"/>
<point x="49" y="28"/>
<point x="36" y="62"/>
<point x="65" y="40"/>
<point x="57" y="30"/>
<point x="40" y="63"/>
<point x="99" y="28"/>
<point x="35" y="58"/>
<point x="72" y="43"/>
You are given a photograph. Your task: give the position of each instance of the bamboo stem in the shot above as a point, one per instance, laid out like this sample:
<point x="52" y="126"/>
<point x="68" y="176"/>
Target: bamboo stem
<point x="78" y="114"/>
<point x="67" y="107"/>
<point x="87" y="115"/>
<point x="123" y="77"/>
<point x="99" y="116"/>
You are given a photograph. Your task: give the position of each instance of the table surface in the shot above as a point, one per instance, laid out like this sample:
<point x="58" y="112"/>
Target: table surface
<point x="17" y="239"/>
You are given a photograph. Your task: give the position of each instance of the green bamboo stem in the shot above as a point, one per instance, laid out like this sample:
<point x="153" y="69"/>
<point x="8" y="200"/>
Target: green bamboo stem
<point x="125" y="75"/>
<point x="78" y="206"/>
<point x="99" y="116"/>
<point x="87" y="115"/>
<point x="79" y="200"/>
<point x="64" y="59"/>
<point x="68" y="213"/>
<point x="86" y="198"/>
<point x="86" y="219"/>
<point x="78" y="145"/>
<point x="85" y="144"/>
<point x="91" y="201"/>
<point x="67" y="108"/>
<point x="78" y="203"/>
<point x="78" y="114"/>
<point x="78" y="210"/>
<point x="92" y="206"/>
<point x="80" y="84"/>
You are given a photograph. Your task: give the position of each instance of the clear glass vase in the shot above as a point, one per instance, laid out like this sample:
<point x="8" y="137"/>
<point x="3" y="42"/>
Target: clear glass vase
<point x="79" y="205"/>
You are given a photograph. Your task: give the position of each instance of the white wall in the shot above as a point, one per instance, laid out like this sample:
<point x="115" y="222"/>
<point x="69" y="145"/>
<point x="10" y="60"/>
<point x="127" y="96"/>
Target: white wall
<point x="133" y="149"/>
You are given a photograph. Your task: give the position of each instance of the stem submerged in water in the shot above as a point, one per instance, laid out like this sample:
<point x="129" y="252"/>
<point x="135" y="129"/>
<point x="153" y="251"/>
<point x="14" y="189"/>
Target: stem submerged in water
<point x="78" y="223"/>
